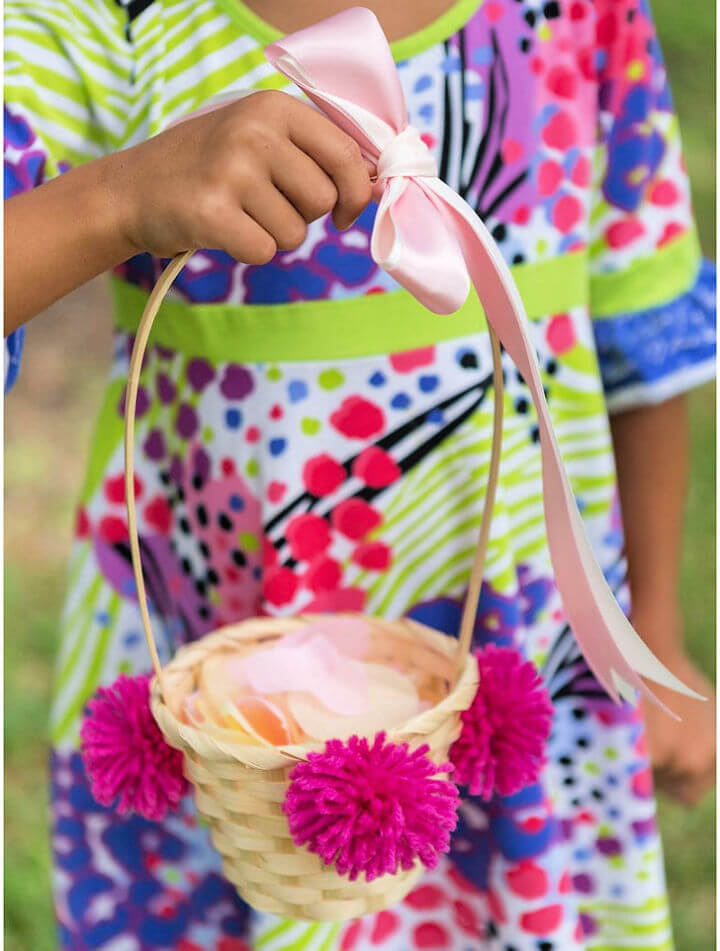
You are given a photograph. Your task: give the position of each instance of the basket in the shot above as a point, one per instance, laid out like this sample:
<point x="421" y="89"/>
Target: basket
<point x="239" y="789"/>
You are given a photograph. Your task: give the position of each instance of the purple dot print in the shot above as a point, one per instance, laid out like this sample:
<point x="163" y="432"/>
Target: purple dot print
<point x="187" y="421"/>
<point x="199" y="374"/>
<point x="237" y="383"/>
<point x="201" y="463"/>
<point x="177" y="470"/>
<point x="155" y="445"/>
<point x="583" y="883"/>
<point x="166" y="389"/>
<point x="608" y="846"/>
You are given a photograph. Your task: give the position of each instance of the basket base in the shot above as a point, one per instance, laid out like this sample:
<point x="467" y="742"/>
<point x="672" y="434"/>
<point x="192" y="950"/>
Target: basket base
<point x="327" y="907"/>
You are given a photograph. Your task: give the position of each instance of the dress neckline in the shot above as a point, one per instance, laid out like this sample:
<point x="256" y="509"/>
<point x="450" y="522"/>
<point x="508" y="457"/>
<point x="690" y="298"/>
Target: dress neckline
<point x="438" y="30"/>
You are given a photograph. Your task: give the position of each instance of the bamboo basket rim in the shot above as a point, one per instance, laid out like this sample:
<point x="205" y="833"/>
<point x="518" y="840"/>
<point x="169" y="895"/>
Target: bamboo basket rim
<point x="198" y="737"/>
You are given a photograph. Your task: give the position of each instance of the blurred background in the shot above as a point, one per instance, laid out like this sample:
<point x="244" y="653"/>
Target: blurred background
<point x="48" y="424"/>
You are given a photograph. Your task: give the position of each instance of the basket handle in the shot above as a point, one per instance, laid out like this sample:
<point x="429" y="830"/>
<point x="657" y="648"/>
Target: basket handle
<point x="472" y="598"/>
<point x="136" y="360"/>
<point x="156" y="298"/>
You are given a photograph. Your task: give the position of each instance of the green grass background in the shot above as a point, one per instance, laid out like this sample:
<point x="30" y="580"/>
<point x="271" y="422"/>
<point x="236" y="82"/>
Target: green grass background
<point x="48" y="424"/>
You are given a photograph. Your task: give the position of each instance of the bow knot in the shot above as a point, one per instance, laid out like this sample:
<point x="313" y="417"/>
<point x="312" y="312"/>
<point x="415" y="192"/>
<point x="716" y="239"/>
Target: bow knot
<point x="406" y="156"/>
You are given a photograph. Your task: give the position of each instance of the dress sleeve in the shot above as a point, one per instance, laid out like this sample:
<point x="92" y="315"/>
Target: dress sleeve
<point x="68" y="85"/>
<point x="652" y="298"/>
<point x="13" y="351"/>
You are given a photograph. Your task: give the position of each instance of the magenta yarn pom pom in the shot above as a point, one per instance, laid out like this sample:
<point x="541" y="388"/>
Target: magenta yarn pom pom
<point x="502" y="745"/>
<point x="371" y="809"/>
<point x="125" y="755"/>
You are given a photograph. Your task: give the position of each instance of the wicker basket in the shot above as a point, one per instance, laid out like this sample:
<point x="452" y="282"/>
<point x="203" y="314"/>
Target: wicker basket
<point x="239" y="789"/>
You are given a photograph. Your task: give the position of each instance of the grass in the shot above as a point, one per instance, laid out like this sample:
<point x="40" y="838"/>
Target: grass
<point x="48" y="428"/>
<point x="30" y="643"/>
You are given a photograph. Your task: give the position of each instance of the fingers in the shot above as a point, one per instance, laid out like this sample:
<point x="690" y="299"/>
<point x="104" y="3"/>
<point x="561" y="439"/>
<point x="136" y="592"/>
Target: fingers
<point x="688" y="791"/>
<point x="304" y="183"/>
<point x="694" y="791"/>
<point x="278" y="165"/>
<point x="339" y="156"/>
<point x="687" y="783"/>
<point x="242" y="237"/>
<point x="270" y="209"/>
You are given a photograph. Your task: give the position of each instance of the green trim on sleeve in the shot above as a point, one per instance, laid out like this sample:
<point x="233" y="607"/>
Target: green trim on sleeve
<point x="648" y="282"/>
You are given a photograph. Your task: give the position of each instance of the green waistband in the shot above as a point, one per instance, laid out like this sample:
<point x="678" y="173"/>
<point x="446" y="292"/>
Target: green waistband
<point x="337" y="329"/>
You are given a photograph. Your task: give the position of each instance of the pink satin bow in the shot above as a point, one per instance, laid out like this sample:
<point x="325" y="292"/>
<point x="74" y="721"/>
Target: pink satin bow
<point x="433" y="244"/>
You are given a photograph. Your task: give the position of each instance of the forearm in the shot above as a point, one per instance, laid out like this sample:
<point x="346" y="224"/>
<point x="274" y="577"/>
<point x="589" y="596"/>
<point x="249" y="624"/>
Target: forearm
<point x="60" y="235"/>
<point x="652" y="457"/>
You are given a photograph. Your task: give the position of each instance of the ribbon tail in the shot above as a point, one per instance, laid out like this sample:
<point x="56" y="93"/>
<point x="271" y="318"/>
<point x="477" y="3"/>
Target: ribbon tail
<point x="613" y="650"/>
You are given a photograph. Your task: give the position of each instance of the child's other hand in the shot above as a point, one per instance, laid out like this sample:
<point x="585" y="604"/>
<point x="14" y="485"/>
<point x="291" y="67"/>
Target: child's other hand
<point x="246" y="178"/>
<point x="683" y="752"/>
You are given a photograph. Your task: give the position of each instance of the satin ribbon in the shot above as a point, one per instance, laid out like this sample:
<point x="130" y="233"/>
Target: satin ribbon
<point x="433" y="244"/>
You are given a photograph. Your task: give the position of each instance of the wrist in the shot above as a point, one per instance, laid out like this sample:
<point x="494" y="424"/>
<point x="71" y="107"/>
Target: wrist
<point x="115" y="191"/>
<point x="658" y="621"/>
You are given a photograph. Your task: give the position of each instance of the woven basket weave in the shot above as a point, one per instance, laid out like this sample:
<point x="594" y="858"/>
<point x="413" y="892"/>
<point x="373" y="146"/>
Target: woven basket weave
<point x="239" y="789"/>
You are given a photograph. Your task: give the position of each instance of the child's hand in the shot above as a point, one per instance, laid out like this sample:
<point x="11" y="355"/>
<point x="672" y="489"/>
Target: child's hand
<point x="246" y="178"/>
<point x="683" y="752"/>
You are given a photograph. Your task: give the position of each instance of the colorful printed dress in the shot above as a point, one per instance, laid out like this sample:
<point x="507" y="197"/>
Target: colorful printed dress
<point x="310" y="438"/>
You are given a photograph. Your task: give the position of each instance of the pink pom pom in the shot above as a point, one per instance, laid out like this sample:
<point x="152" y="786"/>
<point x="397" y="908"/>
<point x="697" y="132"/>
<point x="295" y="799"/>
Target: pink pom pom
<point x="502" y="744"/>
<point x="371" y="809"/>
<point x="125" y="754"/>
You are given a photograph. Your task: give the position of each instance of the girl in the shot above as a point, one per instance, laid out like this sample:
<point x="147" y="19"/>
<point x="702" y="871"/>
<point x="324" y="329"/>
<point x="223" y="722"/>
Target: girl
<point x="279" y="378"/>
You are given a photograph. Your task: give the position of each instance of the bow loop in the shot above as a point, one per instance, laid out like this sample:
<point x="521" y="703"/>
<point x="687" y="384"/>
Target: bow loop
<point x="427" y="261"/>
<point x="344" y="65"/>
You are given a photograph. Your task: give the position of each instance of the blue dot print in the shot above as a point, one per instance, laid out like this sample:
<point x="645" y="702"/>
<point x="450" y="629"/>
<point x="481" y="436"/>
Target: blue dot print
<point x="233" y="418"/>
<point x="428" y="383"/>
<point x="297" y="390"/>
